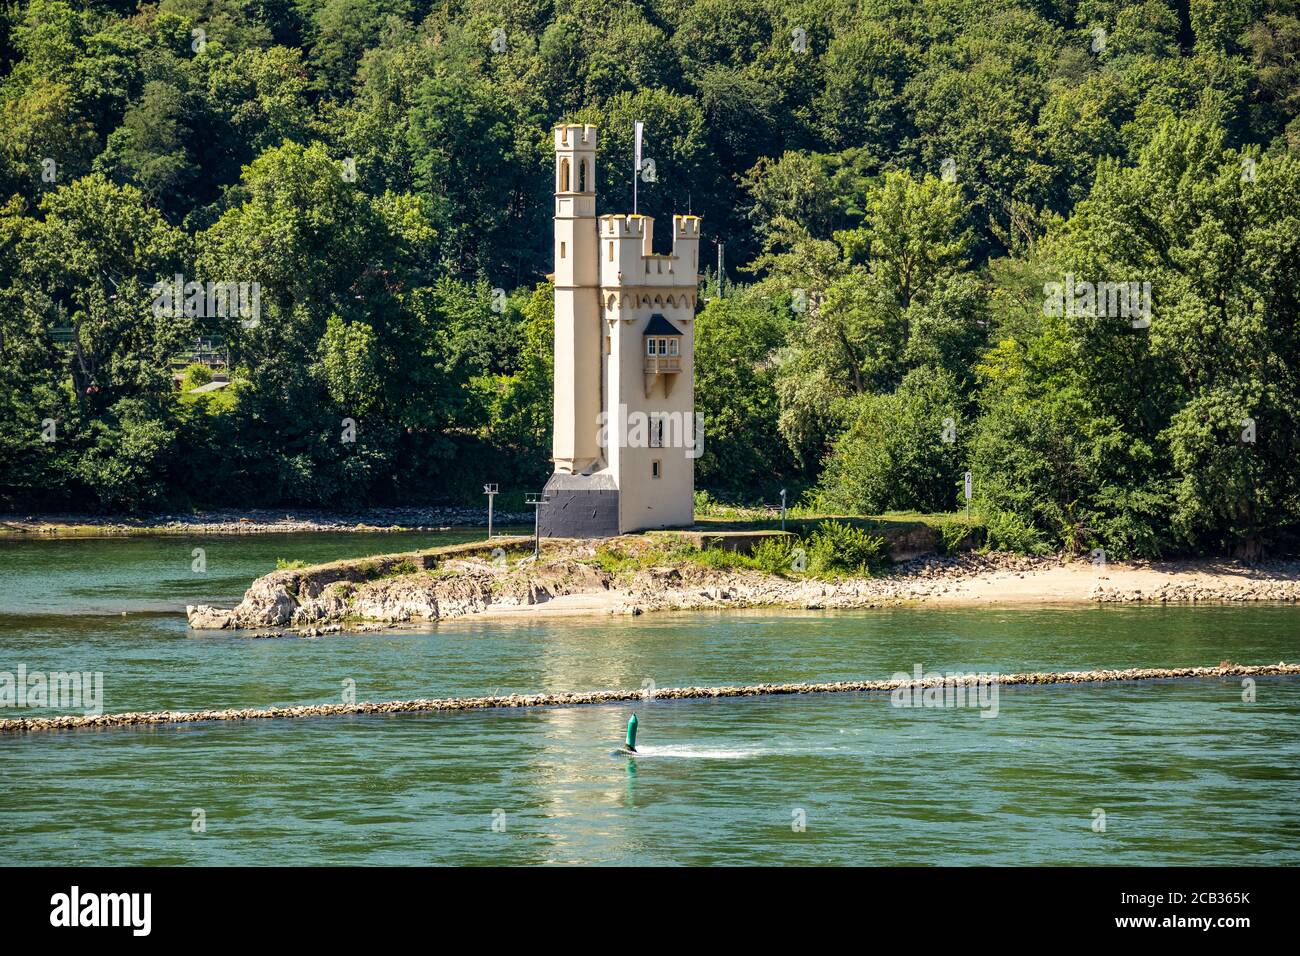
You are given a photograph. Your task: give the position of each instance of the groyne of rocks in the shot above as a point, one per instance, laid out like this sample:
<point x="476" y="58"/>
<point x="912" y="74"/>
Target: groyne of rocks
<point x="23" y="725"/>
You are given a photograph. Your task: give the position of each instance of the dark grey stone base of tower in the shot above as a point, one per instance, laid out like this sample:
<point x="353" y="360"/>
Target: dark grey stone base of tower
<point x="579" y="506"/>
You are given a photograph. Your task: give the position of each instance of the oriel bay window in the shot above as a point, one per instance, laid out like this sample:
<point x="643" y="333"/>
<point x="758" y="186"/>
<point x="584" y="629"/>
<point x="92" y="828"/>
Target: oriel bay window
<point x="663" y="346"/>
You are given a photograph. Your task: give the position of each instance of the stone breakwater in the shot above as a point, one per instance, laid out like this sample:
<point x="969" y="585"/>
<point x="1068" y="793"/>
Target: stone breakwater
<point x="22" y="725"/>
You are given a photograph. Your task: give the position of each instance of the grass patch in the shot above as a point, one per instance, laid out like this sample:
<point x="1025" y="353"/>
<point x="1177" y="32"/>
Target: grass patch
<point x="830" y="550"/>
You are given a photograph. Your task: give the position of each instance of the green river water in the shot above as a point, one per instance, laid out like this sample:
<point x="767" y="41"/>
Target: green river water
<point x="1186" y="772"/>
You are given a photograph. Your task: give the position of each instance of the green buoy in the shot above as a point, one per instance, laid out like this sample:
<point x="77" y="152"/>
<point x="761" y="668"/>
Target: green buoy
<point x="631" y="733"/>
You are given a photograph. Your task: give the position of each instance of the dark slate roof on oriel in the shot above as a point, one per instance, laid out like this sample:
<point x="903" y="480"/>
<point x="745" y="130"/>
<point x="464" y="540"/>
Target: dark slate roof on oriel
<point x="658" y="325"/>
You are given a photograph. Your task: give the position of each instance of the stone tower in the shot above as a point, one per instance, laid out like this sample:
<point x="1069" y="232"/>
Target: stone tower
<point x="626" y="437"/>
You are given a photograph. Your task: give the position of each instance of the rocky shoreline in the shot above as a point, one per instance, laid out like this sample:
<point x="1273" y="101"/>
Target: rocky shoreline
<point x="259" y="521"/>
<point x="474" y="579"/>
<point x="451" y="704"/>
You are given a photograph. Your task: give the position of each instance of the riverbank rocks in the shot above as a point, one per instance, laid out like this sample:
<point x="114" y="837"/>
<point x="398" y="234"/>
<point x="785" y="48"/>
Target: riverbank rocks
<point x="206" y="616"/>
<point x="267" y="603"/>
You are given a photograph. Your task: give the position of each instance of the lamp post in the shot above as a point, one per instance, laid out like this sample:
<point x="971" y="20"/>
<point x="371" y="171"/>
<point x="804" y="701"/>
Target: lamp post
<point x="490" y="491"/>
<point x="536" y="502"/>
<point x="782" y="509"/>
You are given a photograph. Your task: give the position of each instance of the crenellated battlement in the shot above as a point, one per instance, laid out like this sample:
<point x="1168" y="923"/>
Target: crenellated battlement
<point x="615" y="226"/>
<point x="628" y="257"/>
<point x="575" y="136"/>
<point x="686" y="227"/>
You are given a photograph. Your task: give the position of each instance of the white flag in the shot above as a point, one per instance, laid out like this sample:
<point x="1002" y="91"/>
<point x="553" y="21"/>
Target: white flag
<point x="636" y="171"/>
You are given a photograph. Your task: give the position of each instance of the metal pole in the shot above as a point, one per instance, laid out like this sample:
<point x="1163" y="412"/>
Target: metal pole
<point x="782" y="509"/>
<point x="720" y="270"/>
<point x="490" y="491"/>
<point x="536" y="501"/>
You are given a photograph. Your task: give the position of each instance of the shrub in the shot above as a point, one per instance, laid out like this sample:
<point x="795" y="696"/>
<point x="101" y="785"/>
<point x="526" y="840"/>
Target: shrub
<point x="772" y="554"/>
<point x="706" y="506"/>
<point x="838" y="548"/>
<point x="952" y="534"/>
<point x="1007" y="531"/>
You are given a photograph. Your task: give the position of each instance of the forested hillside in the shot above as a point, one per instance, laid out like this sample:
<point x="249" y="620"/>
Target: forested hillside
<point x="899" y="187"/>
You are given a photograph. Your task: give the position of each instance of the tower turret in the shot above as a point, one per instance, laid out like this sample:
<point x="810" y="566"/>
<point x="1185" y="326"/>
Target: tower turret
<point x="577" y="301"/>
<point x="686" y="247"/>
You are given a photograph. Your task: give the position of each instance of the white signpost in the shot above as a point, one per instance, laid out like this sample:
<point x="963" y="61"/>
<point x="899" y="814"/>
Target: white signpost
<point x="490" y="491"/>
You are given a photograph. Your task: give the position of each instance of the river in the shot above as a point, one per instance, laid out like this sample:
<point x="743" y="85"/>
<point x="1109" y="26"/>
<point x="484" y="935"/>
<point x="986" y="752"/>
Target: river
<point x="1180" y="772"/>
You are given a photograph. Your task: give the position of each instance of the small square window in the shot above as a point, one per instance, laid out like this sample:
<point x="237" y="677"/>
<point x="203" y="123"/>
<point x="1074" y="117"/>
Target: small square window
<point x="649" y="346"/>
<point x="655" y="470"/>
<point x="663" y="346"/>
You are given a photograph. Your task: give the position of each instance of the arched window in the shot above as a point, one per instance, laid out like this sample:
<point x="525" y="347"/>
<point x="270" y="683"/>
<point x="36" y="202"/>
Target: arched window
<point x="582" y="176"/>
<point x="564" y="176"/>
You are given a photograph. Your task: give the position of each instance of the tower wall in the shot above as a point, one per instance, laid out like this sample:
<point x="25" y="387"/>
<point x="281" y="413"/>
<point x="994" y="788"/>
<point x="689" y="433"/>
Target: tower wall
<point x="577" y="308"/>
<point x="635" y="285"/>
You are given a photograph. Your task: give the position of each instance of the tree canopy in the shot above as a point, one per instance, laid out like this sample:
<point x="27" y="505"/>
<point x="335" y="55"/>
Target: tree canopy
<point x="1053" y="244"/>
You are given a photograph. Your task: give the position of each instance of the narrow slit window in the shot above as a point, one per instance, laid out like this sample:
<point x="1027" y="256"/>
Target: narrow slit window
<point x="611" y="252"/>
<point x="655" y="470"/>
<point x="561" y="250"/>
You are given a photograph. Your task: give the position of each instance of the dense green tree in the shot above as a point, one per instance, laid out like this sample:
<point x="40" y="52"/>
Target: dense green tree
<point x="899" y="182"/>
<point x="902" y="450"/>
<point x="735" y="386"/>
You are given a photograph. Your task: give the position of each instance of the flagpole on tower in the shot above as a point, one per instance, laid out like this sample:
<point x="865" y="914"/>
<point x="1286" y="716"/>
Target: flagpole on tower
<point x="636" y="163"/>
